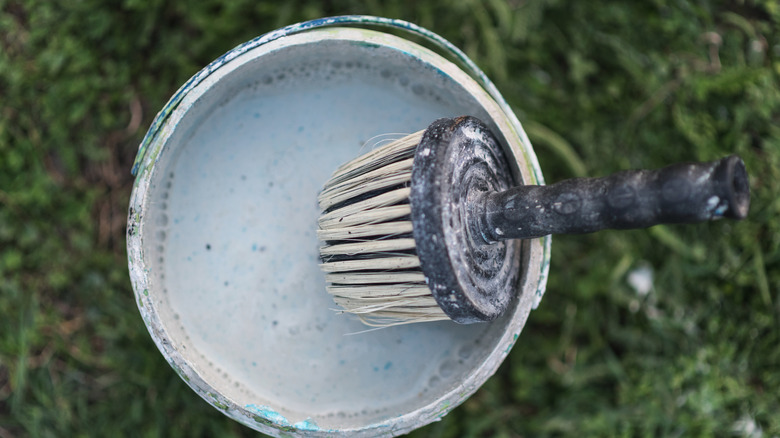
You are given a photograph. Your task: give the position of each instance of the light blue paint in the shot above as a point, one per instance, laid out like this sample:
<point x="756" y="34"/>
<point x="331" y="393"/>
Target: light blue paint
<point x="307" y="424"/>
<point x="269" y="414"/>
<point x="511" y="344"/>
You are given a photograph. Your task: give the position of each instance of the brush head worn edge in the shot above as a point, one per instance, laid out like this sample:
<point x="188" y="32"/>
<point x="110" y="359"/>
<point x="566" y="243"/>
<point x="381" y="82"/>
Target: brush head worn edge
<point x="456" y="164"/>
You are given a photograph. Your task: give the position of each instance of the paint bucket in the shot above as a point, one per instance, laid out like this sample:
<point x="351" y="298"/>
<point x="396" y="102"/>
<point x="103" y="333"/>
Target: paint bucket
<point x="221" y="239"/>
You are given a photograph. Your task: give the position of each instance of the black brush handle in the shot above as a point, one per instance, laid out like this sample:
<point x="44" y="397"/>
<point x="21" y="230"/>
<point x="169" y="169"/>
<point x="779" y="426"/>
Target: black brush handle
<point x="681" y="193"/>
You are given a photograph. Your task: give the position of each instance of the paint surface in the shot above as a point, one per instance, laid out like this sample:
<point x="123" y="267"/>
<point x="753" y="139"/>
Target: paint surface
<point x="230" y="239"/>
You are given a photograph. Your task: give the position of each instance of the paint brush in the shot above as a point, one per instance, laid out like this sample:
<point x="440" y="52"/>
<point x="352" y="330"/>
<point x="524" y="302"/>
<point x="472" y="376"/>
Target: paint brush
<point x="429" y="227"/>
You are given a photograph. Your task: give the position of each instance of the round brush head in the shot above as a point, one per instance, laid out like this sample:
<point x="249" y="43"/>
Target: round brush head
<point x="399" y="238"/>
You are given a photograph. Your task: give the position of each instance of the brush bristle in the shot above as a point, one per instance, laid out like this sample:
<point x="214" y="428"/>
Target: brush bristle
<point x="367" y="249"/>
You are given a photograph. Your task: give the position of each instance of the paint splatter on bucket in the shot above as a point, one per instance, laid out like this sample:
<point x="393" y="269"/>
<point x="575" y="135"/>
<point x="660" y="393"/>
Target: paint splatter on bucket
<point x="221" y="235"/>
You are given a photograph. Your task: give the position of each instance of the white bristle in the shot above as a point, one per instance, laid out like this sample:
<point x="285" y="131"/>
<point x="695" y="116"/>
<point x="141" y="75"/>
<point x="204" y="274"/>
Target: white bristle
<point x="379" y="264"/>
<point x="392" y="175"/>
<point x="377" y="215"/>
<point x="368" y="252"/>
<point x="360" y="232"/>
<point x="367" y="247"/>
<point x="383" y="200"/>
<point x="374" y="277"/>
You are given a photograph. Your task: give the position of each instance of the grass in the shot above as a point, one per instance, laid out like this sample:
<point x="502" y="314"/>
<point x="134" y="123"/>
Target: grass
<point x="600" y="88"/>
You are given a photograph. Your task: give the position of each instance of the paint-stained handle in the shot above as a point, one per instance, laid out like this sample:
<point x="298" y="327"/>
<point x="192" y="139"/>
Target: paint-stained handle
<point x="681" y="193"/>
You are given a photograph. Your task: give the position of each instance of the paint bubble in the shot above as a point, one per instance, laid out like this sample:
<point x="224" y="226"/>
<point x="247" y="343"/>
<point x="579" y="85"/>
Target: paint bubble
<point x="162" y="220"/>
<point x="447" y="368"/>
<point x="418" y="89"/>
<point x="466" y="351"/>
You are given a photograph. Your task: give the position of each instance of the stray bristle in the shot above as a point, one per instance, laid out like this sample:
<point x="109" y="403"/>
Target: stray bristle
<point x="368" y="252"/>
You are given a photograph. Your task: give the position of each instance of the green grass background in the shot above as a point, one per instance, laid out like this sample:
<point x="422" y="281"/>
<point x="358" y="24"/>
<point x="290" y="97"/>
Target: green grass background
<point x="599" y="86"/>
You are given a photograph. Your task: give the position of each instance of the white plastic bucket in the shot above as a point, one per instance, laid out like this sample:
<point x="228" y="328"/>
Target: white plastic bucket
<point x="222" y="246"/>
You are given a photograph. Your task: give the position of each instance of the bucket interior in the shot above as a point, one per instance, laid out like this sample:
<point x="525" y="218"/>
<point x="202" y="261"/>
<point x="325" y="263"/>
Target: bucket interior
<point x="229" y="235"/>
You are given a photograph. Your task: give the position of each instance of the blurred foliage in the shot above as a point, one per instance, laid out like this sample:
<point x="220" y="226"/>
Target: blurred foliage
<point x="600" y="87"/>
